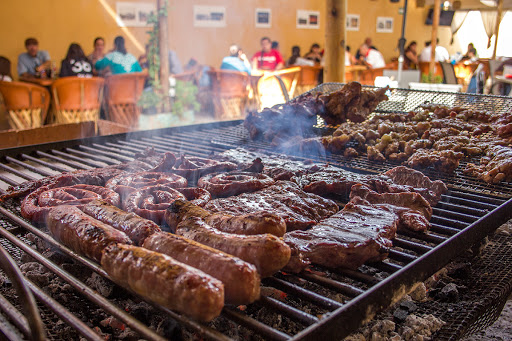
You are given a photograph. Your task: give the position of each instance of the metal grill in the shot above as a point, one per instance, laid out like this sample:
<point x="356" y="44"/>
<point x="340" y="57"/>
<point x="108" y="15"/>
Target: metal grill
<point x="322" y="303"/>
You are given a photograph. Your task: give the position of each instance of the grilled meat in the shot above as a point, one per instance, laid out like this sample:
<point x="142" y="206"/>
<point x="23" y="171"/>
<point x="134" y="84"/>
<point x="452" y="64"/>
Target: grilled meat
<point x="267" y="252"/>
<point x="135" y="227"/>
<point x="299" y="209"/>
<point x="82" y="233"/>
<point x="247" y="224"/>
<point x="495" y="167"/>
<point x="241" y="279"/>
<point x="233" y="183"/>
<point x="353" y="236"/>
<point x="445" y="161"/>
<point x="165" y="281"/>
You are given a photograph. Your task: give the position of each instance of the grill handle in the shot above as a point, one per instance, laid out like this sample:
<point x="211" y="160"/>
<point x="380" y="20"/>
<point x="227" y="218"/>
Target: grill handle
<point x="27" y="299"/>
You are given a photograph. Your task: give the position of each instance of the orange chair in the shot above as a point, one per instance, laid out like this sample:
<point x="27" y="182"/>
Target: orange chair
<point x="229" y="90"/>
<point x="26" y="104"/>
<point x="77" y="99"/>
<point x="277" y="87"/>
<point x="122" y="93"/>
<point x="308" y="78"/>
<point x="425" y="69"/>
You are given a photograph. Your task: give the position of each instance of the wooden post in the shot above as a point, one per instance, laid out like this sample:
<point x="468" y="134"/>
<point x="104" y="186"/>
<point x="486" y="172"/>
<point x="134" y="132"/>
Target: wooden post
<point x="164" y="53"/>
<point x="497" y="29"/>
<point x="334" y="68"/>
<point x="435" y="25"/>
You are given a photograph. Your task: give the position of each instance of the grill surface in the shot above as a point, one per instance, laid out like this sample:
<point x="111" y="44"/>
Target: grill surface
<point x="322" y="303"/>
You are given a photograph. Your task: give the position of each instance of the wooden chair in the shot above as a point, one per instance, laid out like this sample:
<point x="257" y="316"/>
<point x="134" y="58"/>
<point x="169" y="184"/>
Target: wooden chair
<point x="122" y="93"/>
<point x="229" y="93"/>
<point x="277" y="87"/>
<point x="448" y="73"/>
<point x="425" y="69"/>
<point x="77" y="99"/>
<point x="308" y="78"/>
<point x="26" y="104"/>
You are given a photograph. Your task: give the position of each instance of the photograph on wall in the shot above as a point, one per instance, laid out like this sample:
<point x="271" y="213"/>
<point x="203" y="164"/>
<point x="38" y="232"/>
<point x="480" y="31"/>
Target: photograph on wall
<point x="308" y="19"/>
<point x="384" y="24"/>
<point x="352" y="22"/>
<point x="134" y="14"/>
<point x="263" y="17"/>
<point x="209" y="16"/>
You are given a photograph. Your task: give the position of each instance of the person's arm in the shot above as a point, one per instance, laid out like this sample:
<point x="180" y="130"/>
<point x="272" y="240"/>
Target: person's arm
<point x="22" y="68"/>
<point x="279" y="60"/>
<point x="412" y="57"/>
<point x="102" y="63"/>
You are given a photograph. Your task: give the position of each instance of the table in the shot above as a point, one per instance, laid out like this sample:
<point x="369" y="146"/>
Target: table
<point x="505" y="80"/>
<point x="39" y="81"/>
<point x="356" y="71"/>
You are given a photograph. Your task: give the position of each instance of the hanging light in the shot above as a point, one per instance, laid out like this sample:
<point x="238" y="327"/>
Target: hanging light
<point x="446" y="5"/>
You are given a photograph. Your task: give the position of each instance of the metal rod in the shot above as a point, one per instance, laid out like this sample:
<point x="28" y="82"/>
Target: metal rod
<point x="342" y="288"/>
<point x="46" y="164"/>
<point x="468" y="218"/>
<point x="114" y="155"/>
<point x="15" y="316"/>
<point x="79" y="159"/>
<point x="29" y="167"/>
<point x="401" y="256"/>
<point x="287" y="310"/>
<point x="260" y="328"/>
<point x="28" y="302"/>
<point x="449" y="222"/>
<point x="17" y="172"/>
<point x="115" y="150"/>
<point x="8" y="331"/>
<point x="407" y="244"/>
<point x="439" y="228"/>
<point x="101" y="158"/>
<point x="8" y="181"/>
<point x="64" y="161"/>
<point x="357" y="275"/>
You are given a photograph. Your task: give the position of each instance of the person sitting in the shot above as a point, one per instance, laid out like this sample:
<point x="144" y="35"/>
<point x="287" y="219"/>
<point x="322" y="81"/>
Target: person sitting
<point x="368" y="42"/>
<point x="175" y="66"/>
<point x="34" y="61"/>
<point x="267" y="59"/>
<point x="349" y="57"/>
<point x="75" y="63"/>
<point x="297" y="60"/>
<point x="441" y="54"/>
<point x="97" y="54"/>
<point x="411" y="56"/>
<point x="371" y="58"/>
<point x="471" y="54"/>
<point x="5" y="69"/>
<point x="237" y="60"/>
<point x="119" y="60"/>
<point x="275" y="45"/>
<point x="314" y="54"/>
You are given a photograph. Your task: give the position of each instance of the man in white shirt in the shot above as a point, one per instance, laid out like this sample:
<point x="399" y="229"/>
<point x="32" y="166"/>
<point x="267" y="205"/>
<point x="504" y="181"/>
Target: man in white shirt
<point x="371" y="58"/>
<point x="442" y="54"/>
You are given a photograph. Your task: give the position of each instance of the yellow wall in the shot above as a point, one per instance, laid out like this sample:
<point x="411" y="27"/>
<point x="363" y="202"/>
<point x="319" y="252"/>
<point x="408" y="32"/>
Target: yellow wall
<point x="57" y="23"/>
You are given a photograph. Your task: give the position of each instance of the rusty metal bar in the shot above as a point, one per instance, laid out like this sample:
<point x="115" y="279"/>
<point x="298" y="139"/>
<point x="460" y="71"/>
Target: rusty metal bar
<point x="27" y="166"/>
<point x="17" y="172"/>
<point x="46" y="164"/>
<point x="73" y="164"/>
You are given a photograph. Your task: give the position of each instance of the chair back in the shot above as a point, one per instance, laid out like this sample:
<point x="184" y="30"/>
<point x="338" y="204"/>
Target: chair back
<point x="187" y="76"/>
<point x="309" y="75"/>
<point x="122" y="93"/>
<point x="229" y="93"/>
<point x="27" y="104"/>
<point x="425" y="68"/>
<point x="77" y="99"/>
<point x="229" y="83"/>
<point x="448" y="73"/>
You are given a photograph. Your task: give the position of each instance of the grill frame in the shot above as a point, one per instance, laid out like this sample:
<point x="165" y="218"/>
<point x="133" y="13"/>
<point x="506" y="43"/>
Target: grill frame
<point x="346" y="317"/>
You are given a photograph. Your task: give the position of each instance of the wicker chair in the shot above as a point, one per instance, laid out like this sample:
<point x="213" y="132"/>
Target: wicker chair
<point x="122" y="93"/>
<point x="308" y="78"/>
<point x="229" y="93"/>
<point x="277" y="87"/>
<point x="26" y="104"/>
<point x="77" y="99"/>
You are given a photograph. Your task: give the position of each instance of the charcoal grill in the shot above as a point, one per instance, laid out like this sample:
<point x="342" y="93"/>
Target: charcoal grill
<point x="323" y="303"/>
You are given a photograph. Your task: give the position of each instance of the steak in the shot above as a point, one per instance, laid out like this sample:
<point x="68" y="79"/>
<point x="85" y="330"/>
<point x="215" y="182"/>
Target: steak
<point x="353" y="236"/>
<point x="299" y="209"/>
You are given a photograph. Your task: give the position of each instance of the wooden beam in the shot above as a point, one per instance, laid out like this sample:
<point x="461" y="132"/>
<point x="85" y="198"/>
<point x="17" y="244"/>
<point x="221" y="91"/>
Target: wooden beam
<point x="164" y="53"/>
<point x="435" y="25"/>
<point x="334" y="68"/>
<point x="497" y="29"/>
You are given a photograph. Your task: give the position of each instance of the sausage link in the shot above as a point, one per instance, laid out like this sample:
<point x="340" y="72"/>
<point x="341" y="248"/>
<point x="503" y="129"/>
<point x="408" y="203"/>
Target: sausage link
<point x="135" y="227"/>
<point x="267" y="252"/>
<point x="241" y="279"/>
<point x="82" y="233"/>
<point x="165" y="281"/>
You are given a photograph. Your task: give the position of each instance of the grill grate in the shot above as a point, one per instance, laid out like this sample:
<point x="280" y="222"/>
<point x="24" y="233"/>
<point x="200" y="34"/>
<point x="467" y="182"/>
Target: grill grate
<point x="326" y="302"/>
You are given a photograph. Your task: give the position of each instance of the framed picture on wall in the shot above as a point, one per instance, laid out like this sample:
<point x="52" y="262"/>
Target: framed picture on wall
<point x="352" y="22"/>
<point x="209" y="16"/>
<point x="385" y="24"/>
<point x="263" y="17"/>
<point x="134" y="14"/>
<point x="308" y="19"/>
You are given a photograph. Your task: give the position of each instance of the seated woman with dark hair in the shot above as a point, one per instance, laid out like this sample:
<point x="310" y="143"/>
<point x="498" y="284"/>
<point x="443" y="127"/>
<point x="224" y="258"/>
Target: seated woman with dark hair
<point x="297" y="60"/>
<point x="5" y="69"/>
<point x="314" y="53"/>
<point x="119" y="60"/>
<point x="75" y="63"/>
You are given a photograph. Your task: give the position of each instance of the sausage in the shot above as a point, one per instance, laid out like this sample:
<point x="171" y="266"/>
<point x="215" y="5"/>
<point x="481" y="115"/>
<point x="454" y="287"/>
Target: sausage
<point x="248" y="224"/>
<point x="82" y="233"/>
<point x="267" y="252"/>
<point x="165" y="281"/>
<point x="135" y="227"/>
<point x="241" y="279"/>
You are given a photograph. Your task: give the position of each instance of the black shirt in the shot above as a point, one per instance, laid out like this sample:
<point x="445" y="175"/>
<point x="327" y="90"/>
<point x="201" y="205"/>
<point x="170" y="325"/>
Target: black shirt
<point x="74" y="67"/>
